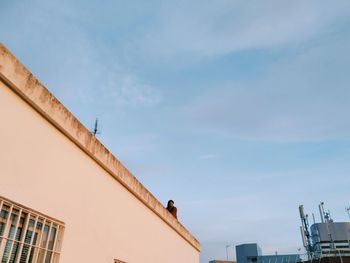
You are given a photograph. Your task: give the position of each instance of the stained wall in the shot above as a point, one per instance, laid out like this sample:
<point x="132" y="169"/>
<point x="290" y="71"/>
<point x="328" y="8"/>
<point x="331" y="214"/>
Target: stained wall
<point x="51" y="163"/>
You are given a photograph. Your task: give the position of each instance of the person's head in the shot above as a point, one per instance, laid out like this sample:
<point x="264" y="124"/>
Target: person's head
<point x="170" y="203"/>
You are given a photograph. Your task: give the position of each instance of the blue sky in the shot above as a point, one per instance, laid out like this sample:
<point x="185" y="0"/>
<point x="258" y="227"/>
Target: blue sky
<point x="237" y="110"/>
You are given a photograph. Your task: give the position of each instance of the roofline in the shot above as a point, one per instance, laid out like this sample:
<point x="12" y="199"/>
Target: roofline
<point x="26" y="86"/>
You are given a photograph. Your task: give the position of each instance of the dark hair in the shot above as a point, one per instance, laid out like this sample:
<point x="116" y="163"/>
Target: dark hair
<point x="170" y="201"/>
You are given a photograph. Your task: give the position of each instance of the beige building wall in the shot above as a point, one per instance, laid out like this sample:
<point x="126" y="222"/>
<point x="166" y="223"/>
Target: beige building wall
<point x="64" y="173"/>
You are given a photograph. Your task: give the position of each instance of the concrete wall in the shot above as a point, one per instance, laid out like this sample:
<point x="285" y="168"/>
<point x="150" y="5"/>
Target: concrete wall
<point x="107" y="213"/>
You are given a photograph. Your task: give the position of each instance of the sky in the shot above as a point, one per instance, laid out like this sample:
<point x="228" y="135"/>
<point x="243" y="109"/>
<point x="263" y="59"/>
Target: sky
<point x="237" y="110"/>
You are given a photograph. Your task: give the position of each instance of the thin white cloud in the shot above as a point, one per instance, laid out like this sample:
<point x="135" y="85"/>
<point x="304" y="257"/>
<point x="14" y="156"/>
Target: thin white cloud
<point x="300" y="98"/>
<point x="91" y="54"/>
<point x="72" y="63"/>
<point x="207" y="28"/>
<point x="207" y="156"/>
<point x="128" y="90"/>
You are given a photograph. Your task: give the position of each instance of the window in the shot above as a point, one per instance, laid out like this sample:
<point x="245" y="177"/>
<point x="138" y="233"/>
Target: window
<point x="27" y="236"/>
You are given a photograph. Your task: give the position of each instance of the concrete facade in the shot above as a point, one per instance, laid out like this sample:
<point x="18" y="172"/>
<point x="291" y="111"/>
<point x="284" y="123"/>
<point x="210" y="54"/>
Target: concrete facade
<point x="51" y="163"/>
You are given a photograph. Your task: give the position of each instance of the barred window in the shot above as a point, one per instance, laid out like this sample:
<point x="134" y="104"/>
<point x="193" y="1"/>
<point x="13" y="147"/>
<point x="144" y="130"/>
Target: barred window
<point x="28" y="236"/>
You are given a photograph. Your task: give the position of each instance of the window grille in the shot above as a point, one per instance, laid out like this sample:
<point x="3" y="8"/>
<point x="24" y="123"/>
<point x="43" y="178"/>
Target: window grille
<point x="27" y="236"/>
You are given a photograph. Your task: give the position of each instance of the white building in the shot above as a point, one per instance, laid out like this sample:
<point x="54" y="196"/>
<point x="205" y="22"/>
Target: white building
<point x="76" y="202"/>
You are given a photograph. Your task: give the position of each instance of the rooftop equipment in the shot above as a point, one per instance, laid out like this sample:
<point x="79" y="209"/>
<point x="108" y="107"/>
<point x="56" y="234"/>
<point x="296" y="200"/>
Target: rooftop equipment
<point x="325" y="239"/>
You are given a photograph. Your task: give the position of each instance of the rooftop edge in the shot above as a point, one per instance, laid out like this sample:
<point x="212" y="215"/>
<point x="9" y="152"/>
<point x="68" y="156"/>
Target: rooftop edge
<point x="24" y="84"/>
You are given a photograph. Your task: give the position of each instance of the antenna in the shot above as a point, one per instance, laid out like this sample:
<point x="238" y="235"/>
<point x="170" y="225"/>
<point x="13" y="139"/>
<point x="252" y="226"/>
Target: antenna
<point x="328" y="217"/>
<point x="325" y="216"/>
<point x="303" y="237"/>
<point x="347" y="209"/>
<point x="321" y="209"/>
<point x="304" y="229"/>
<point x="227" y="246"/>
<point x="96" y="130"/>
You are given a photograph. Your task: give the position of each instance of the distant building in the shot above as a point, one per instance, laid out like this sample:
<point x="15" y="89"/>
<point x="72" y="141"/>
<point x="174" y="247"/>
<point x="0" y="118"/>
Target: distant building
<point x="331" y="239"/>
<point x="287" y="258"/>
<point x="252" y="253"/>
<point x="248" y="253"/>
<point x="63" y="196"/>
<point x="325" y="239"/>
<point x="221" y="261"/>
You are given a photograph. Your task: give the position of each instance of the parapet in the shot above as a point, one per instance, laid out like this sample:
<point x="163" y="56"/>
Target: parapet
<point x="22" y="82"/>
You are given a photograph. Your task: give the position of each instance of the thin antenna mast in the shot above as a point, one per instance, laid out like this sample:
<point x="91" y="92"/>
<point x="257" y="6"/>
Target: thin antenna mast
<point x="96" y="130"/>
<point x="304" y="229"/>
<point x="347" y="209"/>
<point x="321" y="209"/>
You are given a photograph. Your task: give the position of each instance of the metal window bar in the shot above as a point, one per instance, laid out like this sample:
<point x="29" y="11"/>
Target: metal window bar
<point x="15" y="232"/>
<point x="60" y="238"/>
<point x="21" y="237"/>
<point x="31" y="241"/>
<point x="30" y="232"/>
<point x="54" y="247"/>
<point x="6" y="231"/>
<point x="47" y="242"/>
<point x="58" y="245"/>
<point x="36" y="254"/>
<point x="1" y="204"/>
<point x="27" y="238"/>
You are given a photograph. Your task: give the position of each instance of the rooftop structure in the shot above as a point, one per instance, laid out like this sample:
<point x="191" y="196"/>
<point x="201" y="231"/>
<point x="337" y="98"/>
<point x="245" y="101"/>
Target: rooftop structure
<point x="252" y="253"/>
<point x="326" y="238"/>
<point x="248" y="253"/>
<point x="221" y="261"/>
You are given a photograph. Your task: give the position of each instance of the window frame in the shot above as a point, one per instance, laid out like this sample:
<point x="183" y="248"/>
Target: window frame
<point x="26" y="242"/>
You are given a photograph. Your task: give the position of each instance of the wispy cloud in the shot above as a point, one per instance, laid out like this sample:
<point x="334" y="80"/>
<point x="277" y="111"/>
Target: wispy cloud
<point x="206" y="28"/>
<point x="128" y="90"/>
<point x="85" y="65"/>
<point x="302" y="97"/>
<point x="207" y="156"/>
<point x="120" y="61"/>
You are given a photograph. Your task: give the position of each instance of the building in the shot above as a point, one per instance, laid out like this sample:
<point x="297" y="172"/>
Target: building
<point x="221" y="261"/>
<point x="248" y="253"/>
<point x="287" y="258"/>
<point x="325" y="239"/>
<point x="63" y="196"/>
<point x="252" y="253"/>
<point x="331" y="238"/>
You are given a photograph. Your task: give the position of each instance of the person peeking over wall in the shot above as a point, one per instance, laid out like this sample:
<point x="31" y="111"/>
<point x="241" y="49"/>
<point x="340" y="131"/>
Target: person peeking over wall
<point x="171" y="208"/>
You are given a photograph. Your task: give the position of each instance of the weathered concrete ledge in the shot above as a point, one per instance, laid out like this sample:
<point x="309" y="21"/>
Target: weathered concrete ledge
<point x="22" y="82"/>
